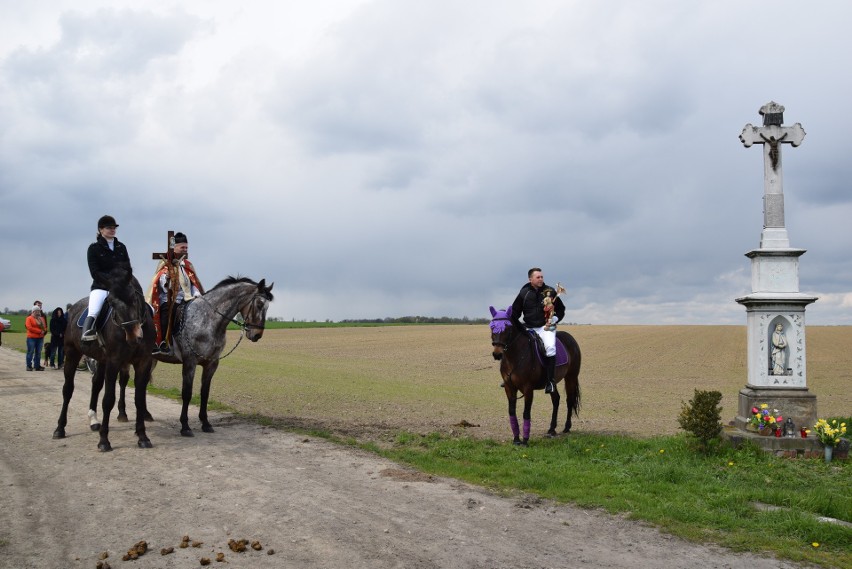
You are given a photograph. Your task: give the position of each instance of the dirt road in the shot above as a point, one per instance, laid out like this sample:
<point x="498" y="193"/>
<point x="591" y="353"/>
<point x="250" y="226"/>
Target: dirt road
<point x="63" y="504"/>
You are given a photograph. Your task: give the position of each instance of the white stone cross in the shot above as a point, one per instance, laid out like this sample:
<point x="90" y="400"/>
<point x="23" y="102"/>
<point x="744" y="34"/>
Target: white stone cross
<point x="771" y="135"/>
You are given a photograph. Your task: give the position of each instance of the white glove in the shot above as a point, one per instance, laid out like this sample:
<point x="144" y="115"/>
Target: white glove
<point x="553" y="320"/>
<point x="197" y="294"/>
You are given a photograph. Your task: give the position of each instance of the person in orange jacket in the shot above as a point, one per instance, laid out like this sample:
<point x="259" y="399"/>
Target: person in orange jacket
<point x="36" y="329"/>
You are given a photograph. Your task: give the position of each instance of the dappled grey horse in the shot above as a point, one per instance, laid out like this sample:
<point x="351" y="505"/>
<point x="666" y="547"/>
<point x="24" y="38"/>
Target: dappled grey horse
<point x="200" y="337"/>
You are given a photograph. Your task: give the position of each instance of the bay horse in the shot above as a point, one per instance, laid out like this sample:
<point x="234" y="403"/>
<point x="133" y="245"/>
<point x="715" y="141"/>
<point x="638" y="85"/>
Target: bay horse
<point x="126" y="338"/>
<point x="200" y="336"/>
<point x="523" y="371"/>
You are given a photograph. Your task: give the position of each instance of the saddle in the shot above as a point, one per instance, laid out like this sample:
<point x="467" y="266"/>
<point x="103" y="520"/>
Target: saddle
<point x="561" y="352"/>
<point x="99" y="321"/>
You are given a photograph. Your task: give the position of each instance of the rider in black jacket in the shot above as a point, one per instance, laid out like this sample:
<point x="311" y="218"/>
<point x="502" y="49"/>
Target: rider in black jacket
<point x="533" y="302"/>
<point x="105" y="254"/>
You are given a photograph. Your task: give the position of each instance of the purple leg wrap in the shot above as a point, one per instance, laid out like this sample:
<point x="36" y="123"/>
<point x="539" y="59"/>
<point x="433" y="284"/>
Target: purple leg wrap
<point x="526" y="429"/>
<point x="516" y="431"/>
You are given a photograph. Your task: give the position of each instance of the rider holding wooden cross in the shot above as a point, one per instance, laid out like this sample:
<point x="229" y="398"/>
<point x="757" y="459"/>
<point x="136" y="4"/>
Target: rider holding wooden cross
<point x="541" y="308"/>
<point x="174" y="283"/>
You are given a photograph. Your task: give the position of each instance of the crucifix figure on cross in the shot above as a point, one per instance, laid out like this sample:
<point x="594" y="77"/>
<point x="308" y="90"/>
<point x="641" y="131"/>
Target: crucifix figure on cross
<point x="771" y="135"/>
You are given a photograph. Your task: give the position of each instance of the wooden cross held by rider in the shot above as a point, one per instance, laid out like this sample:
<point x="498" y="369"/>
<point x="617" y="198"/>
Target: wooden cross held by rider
<point x="771" y="135"/>
<point x="168" y="258"/>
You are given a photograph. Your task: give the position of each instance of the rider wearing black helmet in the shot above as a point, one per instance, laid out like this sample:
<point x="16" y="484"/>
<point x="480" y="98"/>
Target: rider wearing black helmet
<point x="105" y="254"/>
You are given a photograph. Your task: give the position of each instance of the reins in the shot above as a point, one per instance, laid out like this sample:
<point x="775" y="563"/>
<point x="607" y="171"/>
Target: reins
<point x="243" y="327"/>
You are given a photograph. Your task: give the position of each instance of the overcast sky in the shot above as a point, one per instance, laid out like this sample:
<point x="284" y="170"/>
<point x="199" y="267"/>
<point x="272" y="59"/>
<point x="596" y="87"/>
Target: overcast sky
<point x="389" y="158"/>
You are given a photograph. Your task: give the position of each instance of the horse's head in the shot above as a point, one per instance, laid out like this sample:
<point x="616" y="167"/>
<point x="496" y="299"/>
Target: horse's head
<point x="128" y="304"/>
<point x="254" y="311"/>
<point x="501" y="328"/>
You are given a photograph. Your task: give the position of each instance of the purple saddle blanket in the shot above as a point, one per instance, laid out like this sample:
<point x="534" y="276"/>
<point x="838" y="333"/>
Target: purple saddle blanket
<point x="561" y="352"/>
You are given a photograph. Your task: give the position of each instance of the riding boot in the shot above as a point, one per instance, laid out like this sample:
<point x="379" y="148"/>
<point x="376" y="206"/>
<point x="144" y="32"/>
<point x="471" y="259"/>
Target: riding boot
<point x="89" y="333"/>
<point x="551" y="370"/>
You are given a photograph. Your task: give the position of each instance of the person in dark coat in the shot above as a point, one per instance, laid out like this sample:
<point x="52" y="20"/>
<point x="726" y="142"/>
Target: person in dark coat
<point x="58" y="323"/>
<point x="541" y="309"/>
<point x="104" y="255"/>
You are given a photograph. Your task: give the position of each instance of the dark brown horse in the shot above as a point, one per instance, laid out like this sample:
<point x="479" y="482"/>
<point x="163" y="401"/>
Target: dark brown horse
<point x="126" y="338"/>
<point x="524" y="372"/>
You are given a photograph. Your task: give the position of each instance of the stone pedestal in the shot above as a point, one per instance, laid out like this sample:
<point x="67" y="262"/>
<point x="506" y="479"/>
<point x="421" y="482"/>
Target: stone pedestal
<point x="796" y="404"/>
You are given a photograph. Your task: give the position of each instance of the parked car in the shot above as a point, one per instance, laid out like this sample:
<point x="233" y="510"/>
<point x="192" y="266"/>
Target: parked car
<point x="6" y="323"/>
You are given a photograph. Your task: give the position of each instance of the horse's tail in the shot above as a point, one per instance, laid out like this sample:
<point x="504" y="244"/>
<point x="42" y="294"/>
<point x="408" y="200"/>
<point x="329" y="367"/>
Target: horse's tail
<point x="572" y="377"/>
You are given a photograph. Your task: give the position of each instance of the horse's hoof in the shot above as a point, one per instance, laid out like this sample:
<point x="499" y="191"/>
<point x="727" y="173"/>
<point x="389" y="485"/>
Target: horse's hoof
<point x="186" y="433"/>
<point x="95" y="427"/>
<point x="148" y="417"/>
<point x="207" y="428"/>
<point x="59" y="434"/>
<point x="145" y="444"/>
<point x="104" y="447"/>
<point x="519" y="442"/>
<point x="121" y="418"/>
<point x="550" y="434"/>
<point x="525" y="442"/>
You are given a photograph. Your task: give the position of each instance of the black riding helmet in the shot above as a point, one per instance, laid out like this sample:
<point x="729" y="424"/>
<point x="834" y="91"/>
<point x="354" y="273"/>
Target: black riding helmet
<point x="107" y="221"/>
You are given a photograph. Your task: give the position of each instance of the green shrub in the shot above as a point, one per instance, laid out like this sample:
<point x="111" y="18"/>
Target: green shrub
<point x="702" y="417"/>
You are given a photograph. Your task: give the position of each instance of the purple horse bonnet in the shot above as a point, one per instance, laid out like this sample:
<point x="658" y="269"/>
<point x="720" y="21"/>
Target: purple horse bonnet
<point x="501" y="319"/>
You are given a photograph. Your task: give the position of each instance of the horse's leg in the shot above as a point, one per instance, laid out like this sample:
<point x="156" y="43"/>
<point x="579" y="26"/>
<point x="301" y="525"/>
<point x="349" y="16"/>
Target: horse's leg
<point x="142" y="373"/>
<point x="123" y="379"/>
<point x="110" y="375"/>
<point x="148" y="416"/>
<point x="528" y="400"/>
<point x="97" y="385"/>
<point x="554" y="398"/>
<point x="207" y="372"/>
<point x="512" y="397"/>
<point x="572" y="401"/>
<point x="186" y="396"/>
<point x="71" y="361"/>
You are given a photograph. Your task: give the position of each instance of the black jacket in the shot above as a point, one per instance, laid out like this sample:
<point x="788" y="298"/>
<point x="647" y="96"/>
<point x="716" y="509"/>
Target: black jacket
<point x="102" y="260"/>
<point x="530" y="304"/>
<point x="58" y="325"/>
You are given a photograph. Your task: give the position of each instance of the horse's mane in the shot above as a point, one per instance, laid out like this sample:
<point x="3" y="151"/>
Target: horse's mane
<point x="230" y="280"/>
<point x="122" y="283"/>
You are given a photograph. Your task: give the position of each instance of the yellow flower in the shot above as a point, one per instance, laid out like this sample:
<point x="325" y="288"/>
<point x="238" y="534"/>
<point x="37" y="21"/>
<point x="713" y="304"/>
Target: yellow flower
<point x="815" y="544"/>
<point x="662" y="450"/>
<point x="730" y="464"/>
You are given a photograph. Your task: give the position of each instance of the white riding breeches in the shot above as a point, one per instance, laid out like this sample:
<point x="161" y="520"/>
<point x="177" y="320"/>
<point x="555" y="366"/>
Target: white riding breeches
<point x="96" y="301"/>
<point x="548" y="338"/>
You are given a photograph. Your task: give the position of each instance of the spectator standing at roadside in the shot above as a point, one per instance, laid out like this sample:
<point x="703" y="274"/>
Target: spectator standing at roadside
<point x="36" y="329"/>
<point x="58" y="323"/>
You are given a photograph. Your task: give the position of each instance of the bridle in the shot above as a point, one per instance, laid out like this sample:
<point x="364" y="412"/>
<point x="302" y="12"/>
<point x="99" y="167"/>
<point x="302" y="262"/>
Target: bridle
<point x="244" y="326"/>
<point x="139" y="314"/>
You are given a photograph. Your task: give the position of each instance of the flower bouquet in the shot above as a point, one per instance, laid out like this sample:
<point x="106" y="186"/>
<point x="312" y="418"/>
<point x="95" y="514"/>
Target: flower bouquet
<point x="829" y="434"/>
<point x="763" y="421"/>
